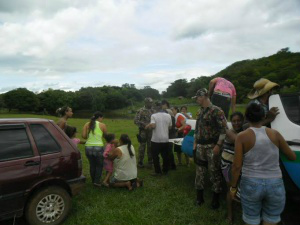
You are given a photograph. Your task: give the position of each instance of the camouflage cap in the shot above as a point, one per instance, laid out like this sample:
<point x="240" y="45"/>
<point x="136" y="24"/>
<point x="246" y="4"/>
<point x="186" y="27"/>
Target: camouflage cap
<point x="201" y="92"/>
<point x="148" y="100"/>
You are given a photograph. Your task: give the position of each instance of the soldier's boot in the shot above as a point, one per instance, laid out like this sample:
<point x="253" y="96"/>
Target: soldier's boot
<point x="215" y="201"/>
<point x="200" y="199"/>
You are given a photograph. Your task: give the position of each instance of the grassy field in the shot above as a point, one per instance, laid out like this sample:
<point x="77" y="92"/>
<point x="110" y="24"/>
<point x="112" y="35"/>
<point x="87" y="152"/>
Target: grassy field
<point x="164" y="200"/>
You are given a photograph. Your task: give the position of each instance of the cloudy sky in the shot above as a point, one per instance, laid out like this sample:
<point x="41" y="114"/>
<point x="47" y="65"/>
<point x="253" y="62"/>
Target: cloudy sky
<point x="68" y="44"/>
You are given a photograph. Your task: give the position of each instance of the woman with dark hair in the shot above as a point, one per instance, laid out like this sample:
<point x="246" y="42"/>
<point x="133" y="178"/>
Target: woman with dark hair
<point x="257" y="155"/>
<point x="183" y="110"/>
<point x="64" y="113"/>
<point x="180" y="123"/>
<point x="125" y="169"/>
<point x="237" y="120"/>
<point x="93" y="131"/>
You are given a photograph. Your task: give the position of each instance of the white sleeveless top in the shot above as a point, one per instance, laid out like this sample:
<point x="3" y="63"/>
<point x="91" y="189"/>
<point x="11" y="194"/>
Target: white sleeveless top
<point x="125" y="167"/>
<point x="262" y="161"/>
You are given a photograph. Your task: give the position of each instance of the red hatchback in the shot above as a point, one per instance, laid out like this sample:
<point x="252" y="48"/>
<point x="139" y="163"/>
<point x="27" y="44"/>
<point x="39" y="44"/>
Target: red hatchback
<point x="40" y="170"/>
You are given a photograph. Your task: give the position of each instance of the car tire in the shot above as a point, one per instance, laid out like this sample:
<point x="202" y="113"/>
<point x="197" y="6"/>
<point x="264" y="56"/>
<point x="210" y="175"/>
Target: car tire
<point x="49" y="206"/>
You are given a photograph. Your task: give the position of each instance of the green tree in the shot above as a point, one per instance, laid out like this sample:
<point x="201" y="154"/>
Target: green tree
<point x="178" y="88"/>
<point x="21" y="99"/>
<point x="131" y="93"/>
<point x="51" y="100"/>
<point x="115" y="100"/>
<point x="2" y="104"/>
<point x="147" y="91"/>
<point x="197" y="83"/>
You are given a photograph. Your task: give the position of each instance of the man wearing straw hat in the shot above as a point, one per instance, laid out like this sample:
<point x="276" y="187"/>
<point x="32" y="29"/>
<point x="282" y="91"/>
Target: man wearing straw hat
<point x="262" y="90"/>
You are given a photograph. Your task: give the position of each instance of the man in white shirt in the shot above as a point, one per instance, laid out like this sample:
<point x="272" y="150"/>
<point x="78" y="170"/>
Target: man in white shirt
<point x="161" y="122"/>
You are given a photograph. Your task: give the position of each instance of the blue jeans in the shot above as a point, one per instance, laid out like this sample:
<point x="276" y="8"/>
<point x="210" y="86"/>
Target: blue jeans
<point x="95" y="157"/>
<point x="262" y="199"/>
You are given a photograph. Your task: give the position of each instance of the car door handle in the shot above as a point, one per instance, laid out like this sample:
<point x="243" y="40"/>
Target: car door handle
<point x="32" y="163"/>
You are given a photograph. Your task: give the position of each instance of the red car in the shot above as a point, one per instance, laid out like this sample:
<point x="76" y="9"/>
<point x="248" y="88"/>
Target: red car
<point x="41" y="169"/>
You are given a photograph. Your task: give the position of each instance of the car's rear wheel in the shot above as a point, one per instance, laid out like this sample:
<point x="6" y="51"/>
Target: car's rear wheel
<point x="49" y="206"/>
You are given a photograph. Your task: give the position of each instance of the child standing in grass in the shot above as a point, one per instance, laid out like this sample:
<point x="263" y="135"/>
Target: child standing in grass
<point x="71" y="132"/>
<point x="111" y="143"/>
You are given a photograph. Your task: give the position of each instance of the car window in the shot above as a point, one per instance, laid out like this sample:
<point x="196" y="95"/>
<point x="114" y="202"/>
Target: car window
<point x="44" y="140"/>
<point x="14" y="143"/>
<point x="291" y="104"/>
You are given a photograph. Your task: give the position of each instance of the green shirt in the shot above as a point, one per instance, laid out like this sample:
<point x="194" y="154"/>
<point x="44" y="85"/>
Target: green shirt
<point x="95" y="138"/>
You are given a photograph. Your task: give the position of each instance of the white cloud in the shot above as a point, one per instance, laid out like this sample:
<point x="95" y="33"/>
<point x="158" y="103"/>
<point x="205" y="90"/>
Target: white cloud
<point x="142" y="42"/>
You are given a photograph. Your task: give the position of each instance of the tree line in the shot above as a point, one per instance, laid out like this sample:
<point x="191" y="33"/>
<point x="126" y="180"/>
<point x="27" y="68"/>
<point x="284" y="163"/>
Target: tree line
<point x="282" y="68"/>
<point x="87" y="98"/>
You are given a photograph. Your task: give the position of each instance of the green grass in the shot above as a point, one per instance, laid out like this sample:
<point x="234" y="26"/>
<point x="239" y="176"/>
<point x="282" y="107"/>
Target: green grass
<point x="163" y="200"/>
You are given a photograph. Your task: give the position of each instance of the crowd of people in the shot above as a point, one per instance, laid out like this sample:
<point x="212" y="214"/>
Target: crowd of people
<point x="245" y="156"/>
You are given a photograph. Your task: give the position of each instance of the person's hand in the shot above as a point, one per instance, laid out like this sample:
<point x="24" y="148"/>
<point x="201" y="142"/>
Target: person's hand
<point x="232" y="192"/>
<point x="216" y="150"/>
<point x="273" y="112"/>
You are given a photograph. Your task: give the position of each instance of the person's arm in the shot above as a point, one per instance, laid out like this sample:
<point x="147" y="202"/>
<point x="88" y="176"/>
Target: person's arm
<point x="103" y="127"/>
<point x="222" y="123"/>
<point x="137" y="119"/>
<point x="170" y="122"/>
<point x="82" y="142"/>
<point x="114" y="153"/>
<point x="85" y="131"/>
<point x="230" y="135"/>
<point x="285" y="148"/>
<point x="195" y="134"/>
<point x="150" y="126"/>
<point x="183" y="124"/>
<point x="211" y="87"/>
<point x="187" y="115"/>
<point x="62" y="124"/>
<point x="152" y="123"/>
<point x="233" y="103"/>
<point x="237" y="164"/>
<point x="271" y="115"/>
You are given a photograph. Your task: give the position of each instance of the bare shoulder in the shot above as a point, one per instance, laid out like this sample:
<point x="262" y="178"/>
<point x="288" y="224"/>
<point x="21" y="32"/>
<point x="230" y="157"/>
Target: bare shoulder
<point x="272" y="133"/>
<point x="117" y="152"/>
<point x="102" y="127"/>
<point x="245" y="134"/>
<point x="61" y="121"/>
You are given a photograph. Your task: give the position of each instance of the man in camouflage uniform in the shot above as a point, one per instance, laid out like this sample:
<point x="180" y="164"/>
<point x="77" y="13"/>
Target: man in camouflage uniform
<point x="210" y="132"/>
<point x="142" y="118"/>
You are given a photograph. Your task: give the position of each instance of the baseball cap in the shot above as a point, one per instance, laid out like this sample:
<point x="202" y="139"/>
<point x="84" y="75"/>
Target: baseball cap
<point x="201" y="92"/>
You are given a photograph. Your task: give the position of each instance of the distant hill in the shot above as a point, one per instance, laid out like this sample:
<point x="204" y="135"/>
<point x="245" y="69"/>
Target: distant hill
<point x="282" y="68"/>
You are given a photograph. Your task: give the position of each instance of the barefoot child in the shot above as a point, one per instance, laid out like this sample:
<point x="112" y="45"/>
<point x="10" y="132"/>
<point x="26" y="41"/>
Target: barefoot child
<point x="111" y="143"/>
<point x="71" y="132"/>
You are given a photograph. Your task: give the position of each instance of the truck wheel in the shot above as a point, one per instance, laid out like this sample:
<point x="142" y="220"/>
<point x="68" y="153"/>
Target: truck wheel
<point x="49" y="206"/>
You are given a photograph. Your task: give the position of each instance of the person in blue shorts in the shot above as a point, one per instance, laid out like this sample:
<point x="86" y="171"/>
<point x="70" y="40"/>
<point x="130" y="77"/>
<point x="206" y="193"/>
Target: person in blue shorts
<point x="257" y="155"/>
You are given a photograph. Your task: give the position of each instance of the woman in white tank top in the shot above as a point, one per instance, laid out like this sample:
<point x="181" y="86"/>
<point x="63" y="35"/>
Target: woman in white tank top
<point x="257" y="155"/>
<point x="125" y="169"/>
